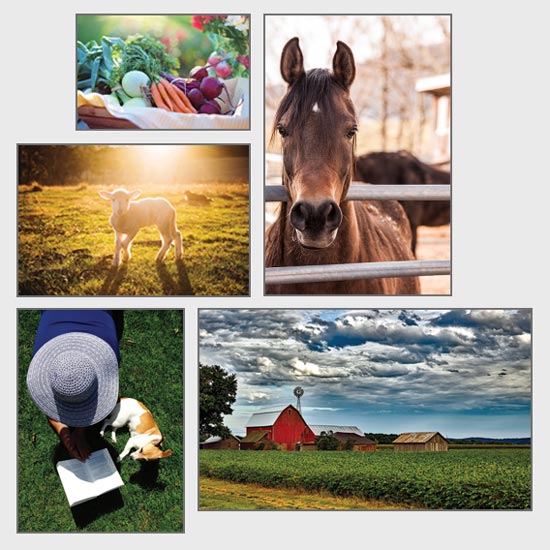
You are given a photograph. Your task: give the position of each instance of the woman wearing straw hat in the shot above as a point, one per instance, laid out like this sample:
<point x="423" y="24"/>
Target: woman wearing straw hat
<point x="73" y="376"/>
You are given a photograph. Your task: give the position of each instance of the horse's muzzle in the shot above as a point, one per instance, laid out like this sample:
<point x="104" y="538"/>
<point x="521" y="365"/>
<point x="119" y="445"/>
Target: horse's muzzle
<point x="316" y="225"/>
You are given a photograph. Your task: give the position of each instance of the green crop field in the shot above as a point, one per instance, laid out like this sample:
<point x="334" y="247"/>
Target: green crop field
<point x="151" y="499"/>
<point x="458" y="479"/>
<point x="65" y="244"/>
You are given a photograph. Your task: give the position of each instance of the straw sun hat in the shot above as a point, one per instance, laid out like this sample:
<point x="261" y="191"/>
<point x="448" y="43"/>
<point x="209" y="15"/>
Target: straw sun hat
<point x="73" y="378"/>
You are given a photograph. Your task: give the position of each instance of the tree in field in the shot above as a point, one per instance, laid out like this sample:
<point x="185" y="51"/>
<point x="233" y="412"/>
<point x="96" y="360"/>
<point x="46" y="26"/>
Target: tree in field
<point x="218" y="391"/>
<point x="327" y="442"/>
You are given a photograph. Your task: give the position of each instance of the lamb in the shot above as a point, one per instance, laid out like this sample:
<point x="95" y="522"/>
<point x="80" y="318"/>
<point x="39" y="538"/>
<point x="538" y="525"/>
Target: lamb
<point x="130" y="216"/>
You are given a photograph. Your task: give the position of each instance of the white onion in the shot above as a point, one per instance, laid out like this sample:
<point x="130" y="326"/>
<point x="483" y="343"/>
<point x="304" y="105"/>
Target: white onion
<point x="132" y="82"/>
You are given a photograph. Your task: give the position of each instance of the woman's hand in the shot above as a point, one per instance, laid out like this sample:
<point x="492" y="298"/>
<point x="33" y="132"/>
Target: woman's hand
<point x="73" y="440"/>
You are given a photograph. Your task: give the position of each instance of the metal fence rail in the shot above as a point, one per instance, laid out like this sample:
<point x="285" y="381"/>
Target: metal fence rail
<point x="369" y="270"/>
<point x="362" y="191"/>
<point x="350" y="272"/>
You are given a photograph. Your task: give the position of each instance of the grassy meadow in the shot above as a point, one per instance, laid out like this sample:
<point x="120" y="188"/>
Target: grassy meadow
<point x="66" y="244"/>
<point x="151" y="500"/>
<point x="476" y="479"/>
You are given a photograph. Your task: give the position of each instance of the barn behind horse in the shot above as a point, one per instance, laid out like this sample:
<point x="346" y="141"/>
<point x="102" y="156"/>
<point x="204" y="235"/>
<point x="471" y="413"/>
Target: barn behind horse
<point x="317" y="124"/>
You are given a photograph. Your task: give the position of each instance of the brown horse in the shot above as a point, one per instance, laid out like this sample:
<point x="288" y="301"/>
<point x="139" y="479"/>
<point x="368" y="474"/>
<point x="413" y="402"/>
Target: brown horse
<point x="317" y="124"/>
<point x="403" y="168"/>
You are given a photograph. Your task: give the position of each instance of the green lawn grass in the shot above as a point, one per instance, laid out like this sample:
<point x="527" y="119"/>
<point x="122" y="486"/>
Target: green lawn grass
<point x="151" y="500"/>
<point x="65" y="244"/>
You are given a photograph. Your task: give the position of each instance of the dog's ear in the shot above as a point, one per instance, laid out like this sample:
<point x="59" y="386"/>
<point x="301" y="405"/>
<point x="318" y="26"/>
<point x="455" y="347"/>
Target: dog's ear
<point x="166" y="454"/>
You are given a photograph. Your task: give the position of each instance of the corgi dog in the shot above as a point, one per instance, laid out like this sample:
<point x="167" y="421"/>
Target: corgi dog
<point x="145" y="435"/>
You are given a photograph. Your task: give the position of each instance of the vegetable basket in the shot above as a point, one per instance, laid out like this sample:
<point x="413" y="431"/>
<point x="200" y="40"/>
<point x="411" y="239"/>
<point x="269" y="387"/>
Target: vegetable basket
<point x="103" y="112"/>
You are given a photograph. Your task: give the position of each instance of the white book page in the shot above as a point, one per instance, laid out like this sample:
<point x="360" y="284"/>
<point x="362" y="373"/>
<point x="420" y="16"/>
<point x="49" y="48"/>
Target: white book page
<point x="103" y="472"/>
<point x="86" y="480"/>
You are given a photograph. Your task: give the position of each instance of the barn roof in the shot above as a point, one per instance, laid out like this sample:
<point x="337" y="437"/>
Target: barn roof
<point x="416" y="437"/>
<point x="267" y="417"/>
<point x="264" y="418"/>
<point x="211" y="439"/>
<point x="254" y="437"/>
<point x="216" y="439"/>
<point x="357" y="439"/>
<point x="318" y="428"/>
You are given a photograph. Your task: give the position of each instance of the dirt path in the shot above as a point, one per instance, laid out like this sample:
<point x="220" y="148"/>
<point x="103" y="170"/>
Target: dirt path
<point x="217" y="494"/>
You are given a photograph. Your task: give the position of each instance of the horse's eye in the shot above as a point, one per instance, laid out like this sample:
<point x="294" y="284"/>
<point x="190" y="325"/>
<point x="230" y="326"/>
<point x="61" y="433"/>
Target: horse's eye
<point x="352" y="131"/>
<point x="282" y="130"/>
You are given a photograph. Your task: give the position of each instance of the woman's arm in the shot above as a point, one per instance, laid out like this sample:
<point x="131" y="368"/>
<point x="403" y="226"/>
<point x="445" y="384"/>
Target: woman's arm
<point x="73" y="439"/>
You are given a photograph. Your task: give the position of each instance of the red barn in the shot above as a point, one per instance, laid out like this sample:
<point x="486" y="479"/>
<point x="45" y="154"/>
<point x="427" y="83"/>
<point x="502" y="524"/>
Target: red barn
<point x="285" y="427"/>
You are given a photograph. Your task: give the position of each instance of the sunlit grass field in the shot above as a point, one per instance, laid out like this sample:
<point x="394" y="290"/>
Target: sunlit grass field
<point x="151" y="500"/>
<point x="65" y="244"/>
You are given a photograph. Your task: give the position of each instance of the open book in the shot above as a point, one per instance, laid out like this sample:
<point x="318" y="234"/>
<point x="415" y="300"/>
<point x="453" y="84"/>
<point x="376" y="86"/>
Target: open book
<point x="84" y="481"/>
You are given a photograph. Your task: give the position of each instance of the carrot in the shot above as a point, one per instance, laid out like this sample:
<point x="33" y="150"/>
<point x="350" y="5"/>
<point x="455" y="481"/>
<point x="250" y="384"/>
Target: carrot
<point x="184" y="99"/>
<point x="170" y="93"/>
<point x="157" y="97"/>
<point x="165" y="97"/>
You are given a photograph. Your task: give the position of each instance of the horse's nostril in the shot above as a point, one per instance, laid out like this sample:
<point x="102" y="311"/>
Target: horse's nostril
<point x="299" y="215"/>
<point x="326" y="216"/>
<point x="332" y="215"/>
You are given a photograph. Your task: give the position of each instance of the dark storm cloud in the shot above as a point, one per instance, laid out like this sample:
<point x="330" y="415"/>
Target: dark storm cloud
<point x="374" y="360"/>
<point x="491" y="321"/>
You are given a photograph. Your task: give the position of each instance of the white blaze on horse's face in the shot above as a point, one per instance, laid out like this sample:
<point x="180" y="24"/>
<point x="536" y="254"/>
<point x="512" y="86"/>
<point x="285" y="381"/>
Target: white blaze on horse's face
<point x="317" y="125"/>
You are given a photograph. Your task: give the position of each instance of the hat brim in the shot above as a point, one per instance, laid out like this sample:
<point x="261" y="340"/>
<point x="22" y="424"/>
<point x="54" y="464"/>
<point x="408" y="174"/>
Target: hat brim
<point x="99" y="404"/>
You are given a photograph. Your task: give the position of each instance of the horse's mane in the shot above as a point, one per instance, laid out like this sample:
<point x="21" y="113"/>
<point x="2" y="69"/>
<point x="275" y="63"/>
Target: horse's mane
<point x="313" y="87"/>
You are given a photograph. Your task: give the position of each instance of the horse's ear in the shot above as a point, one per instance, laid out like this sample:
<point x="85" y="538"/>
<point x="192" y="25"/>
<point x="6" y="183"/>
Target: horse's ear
<point x="292" y="61"/>
<point x="343" y="65"/>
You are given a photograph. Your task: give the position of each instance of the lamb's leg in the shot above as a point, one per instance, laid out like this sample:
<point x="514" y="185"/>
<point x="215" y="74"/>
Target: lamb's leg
<point x="166" y="242"/>
<point x="118" y="244"/>
<point x="126" y="244"/>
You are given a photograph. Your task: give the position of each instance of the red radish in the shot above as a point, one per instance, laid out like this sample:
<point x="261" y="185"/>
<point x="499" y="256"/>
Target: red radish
<point x="198" y="72"/>
<point x="223" y="70"/>
<point x="211" y="87"/>
<point x="214" y="58"/>
<point x="195" y="97"/>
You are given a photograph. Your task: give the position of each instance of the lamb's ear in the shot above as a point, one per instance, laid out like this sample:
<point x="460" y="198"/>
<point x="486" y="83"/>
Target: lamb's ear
<point x="135" y="194"/>
<point x="105" y="195"/>
<point x="343" y="65"/>
<point x="292" y="61"/>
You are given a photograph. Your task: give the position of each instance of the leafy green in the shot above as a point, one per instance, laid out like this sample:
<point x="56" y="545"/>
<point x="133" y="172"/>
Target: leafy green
<point x="141" y="53"/>
<point x="100" y="67"/>
<point x="93" y="65"/>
